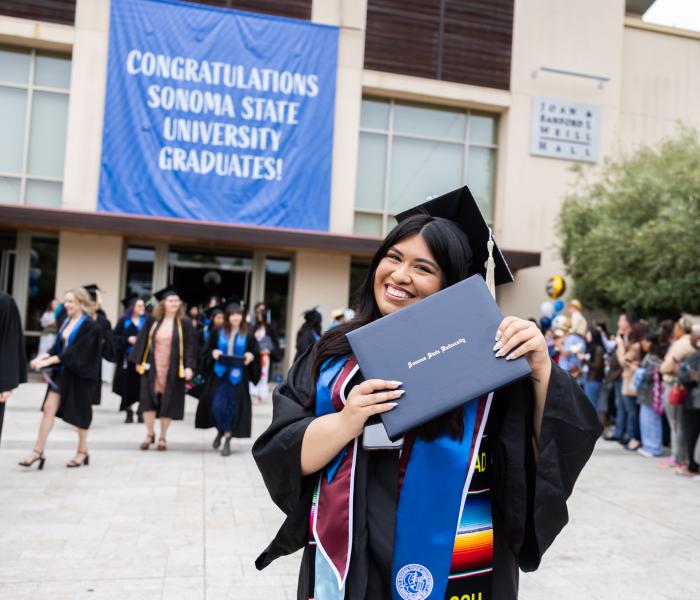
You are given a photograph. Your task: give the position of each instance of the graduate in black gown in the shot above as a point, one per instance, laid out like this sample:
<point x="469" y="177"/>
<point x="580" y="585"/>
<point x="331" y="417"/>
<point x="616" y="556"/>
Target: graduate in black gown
<point x="126" y="379"/>
<point x="231" y="360"/>
<point x="72" y="370"/>
<point x="165" y="355"/>
<point x="108" y="344"/>
<point x="13" y="366"/>
<point x="535" y="439"/>
<point x="310" y="331"/>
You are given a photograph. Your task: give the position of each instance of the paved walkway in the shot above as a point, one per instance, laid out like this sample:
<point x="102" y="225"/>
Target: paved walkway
<point x="187" y="523"/>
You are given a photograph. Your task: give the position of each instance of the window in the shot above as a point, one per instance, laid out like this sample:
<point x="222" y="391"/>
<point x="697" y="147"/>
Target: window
<point x="34" y="98"/>
<point x="409" y="152"/>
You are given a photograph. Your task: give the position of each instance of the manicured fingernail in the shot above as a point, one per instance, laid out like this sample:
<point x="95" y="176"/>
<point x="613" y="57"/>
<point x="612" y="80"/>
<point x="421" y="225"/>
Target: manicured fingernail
<point x="392" y="404"/>
<point x="399" y="393"/>
<point x="498" y="335"/>
<point x="497" y="346"/>
<point x="396" y="382"/>
<point x="500" y="353"/>
<point x="511" y="356"/>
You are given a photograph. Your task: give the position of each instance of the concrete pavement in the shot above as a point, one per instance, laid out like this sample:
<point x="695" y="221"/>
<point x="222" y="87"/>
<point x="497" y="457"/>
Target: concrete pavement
<point x="188" y="524"/>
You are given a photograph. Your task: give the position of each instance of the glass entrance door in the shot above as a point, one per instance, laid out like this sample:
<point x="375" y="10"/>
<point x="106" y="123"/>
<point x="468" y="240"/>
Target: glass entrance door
<point x="198" y="275"/>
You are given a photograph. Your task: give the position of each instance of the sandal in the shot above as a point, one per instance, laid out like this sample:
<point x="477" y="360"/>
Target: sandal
<point x="162" y="444"/>
<point x="74" y="463"/>
<point x="150" y="439"/>
<point x="38" y="456"/>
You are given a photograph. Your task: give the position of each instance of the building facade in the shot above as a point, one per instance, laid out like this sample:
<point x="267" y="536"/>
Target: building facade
<point x="502" y="95"/>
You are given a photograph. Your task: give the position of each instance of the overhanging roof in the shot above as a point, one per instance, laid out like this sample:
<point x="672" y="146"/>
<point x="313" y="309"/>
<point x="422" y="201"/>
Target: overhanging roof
<point x="188" y="231"/>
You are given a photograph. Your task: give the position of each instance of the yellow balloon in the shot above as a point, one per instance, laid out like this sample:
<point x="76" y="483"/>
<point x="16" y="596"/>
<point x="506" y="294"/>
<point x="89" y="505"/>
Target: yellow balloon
<point x="556" y="286"/>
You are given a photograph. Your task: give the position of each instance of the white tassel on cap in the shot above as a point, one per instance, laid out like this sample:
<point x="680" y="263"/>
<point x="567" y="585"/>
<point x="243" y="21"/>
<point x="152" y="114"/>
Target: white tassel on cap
<point x="490" y="265"/>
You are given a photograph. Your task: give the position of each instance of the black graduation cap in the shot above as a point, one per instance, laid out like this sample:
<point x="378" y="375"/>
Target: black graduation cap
<point x="168" y="290"/>
<point x="212" y="311"/>
<point x="128" y="300"/>
<point x="460" y="207"/>
<point x="235" y="305"/>
<point x="92" y="289"/>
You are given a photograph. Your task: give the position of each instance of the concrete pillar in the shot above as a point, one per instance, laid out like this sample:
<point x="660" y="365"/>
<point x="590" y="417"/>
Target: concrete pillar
<point x="350" y="16"/>
<point x="318" y="279"/>
<point x="86" y="105"/>
<point x="87" y="258"/>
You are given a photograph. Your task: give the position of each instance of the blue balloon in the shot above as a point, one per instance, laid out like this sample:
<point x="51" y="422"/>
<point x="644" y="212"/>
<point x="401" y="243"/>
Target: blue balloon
<point x="559" y="305"/>
<point x="545" y="323"/>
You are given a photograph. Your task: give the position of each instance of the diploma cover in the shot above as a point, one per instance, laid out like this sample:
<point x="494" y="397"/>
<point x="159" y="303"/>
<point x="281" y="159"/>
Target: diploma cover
<point x="441" y="348"/>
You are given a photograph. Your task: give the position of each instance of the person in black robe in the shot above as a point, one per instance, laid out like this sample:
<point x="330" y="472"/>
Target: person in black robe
<point x="72" y="371"/>
<point x="126" y="383"/>
<point x="310" y="331"/>
<point x="540" y="431"/>
<point x="266" y="333"/>
<point x="165" y="356"/>
<point x="234" y="418"/>
<point x="13" y="366"/>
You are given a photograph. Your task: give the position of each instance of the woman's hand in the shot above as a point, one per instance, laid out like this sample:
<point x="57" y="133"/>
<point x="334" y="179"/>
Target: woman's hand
<point x="248" y="358"/>
<point x="188" y="374"/>
<point x="365" y="400"/>
<point x="131" y="339"/>
<point x="216" y="354"/>
<point x="517" y="337"/>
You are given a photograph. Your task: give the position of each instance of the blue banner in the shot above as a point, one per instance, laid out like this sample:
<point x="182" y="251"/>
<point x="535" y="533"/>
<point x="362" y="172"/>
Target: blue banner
<point x="218" y="115"/>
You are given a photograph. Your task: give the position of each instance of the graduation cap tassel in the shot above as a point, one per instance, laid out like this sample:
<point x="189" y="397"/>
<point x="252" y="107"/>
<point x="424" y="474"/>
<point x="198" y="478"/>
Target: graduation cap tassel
<point x="490" y="267"/>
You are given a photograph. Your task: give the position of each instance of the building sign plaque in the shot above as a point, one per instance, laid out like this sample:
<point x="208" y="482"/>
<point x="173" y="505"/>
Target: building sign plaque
<point x="564" y="129"/>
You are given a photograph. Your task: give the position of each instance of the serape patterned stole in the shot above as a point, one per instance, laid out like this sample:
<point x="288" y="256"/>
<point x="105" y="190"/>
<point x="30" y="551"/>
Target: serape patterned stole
<point x="441" y="551"/>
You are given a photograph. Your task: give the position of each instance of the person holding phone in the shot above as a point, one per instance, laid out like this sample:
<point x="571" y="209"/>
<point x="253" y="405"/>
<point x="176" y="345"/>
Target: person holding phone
<point x="492" y="498"/>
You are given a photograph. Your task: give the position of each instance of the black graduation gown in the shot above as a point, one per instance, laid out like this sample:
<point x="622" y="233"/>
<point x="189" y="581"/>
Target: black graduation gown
<point x="79" y="378"/>
<point x="171" y="404"/>
<point x="13" y="364"/>
<point x="107" y="345"/>
<point x="306" y="338"/>
<point x="528" y="497"/>
<point x="126" y="382"/>
<point x="243" y="416"/>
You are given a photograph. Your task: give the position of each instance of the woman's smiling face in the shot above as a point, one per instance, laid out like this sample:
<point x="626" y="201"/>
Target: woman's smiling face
<point x="406" y="274"/>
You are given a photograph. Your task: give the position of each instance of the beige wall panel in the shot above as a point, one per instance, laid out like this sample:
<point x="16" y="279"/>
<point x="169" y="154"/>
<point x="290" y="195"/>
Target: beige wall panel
<point x="531" y="189"/>
<point x="660" y="85"/>
<point x="36" y="34"/>
<point x="319" y="279"/>
<point x="87" y="258"/>
<point x="86" y="108"/>
<point x="350" y="16"/>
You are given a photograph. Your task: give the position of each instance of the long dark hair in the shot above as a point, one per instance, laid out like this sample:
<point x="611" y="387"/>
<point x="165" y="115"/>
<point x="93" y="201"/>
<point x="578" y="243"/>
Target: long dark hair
<point x="596" y="339"/>
<point x="450" y="248"/>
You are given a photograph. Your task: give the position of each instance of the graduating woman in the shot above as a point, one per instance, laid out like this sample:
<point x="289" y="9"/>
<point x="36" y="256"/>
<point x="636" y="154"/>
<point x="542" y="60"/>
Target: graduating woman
<point x="232" y="359"/>
<point x="73" y="374"/>
<point x="165" y="356"/>
<point x="126" y="382"/>
<point x="473" y="495"/>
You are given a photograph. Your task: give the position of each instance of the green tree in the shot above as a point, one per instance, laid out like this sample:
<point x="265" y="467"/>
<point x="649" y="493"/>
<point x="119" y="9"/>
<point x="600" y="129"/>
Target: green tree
<point x="630" y="230"/>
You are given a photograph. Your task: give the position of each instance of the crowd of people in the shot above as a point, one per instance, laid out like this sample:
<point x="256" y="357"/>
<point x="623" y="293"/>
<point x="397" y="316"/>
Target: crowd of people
<point x="161" y="351"/>
<point x="643" y="381"/>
